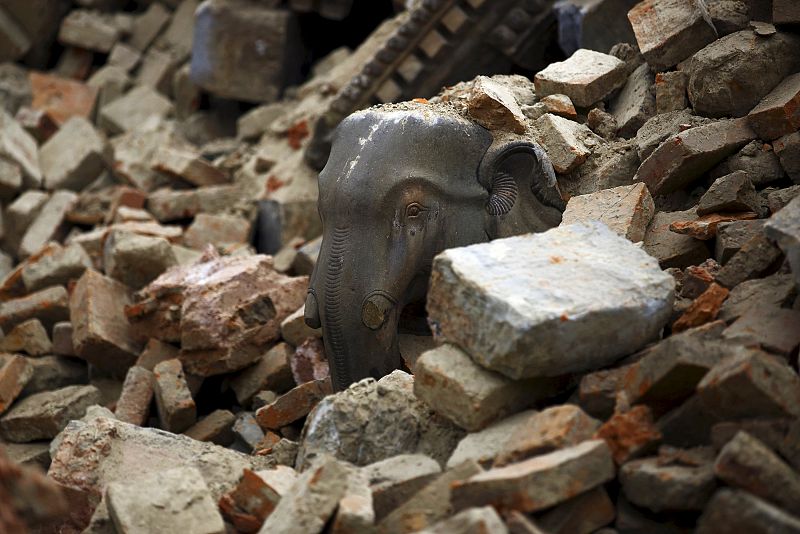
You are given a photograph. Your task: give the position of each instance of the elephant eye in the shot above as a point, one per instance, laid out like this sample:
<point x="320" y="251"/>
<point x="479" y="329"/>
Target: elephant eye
<point x="414" y="210"/>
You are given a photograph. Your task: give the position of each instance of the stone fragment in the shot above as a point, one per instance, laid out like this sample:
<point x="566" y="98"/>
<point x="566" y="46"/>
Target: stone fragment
<point x="551" y="429"/>
<point x="750" y="383"/>
<point x="685" y="157"/>
<point x="374" y="420"/>
<point x="15" y="90"/>
<point x="226" y="314"/>
<point x="671" y="91"/>
<point x="309" y="361"/>
<point x="635" y="102"/>
<point x="102" y="335"/>
<point x="732" y="236"/>
<point x="90" y="30"/>
<point x="475" y="520"/>
<point x="453" y="385"/>
<point x="559" y="105"/>
<point x="134" y="402"/>
<point x="395" y="480"/>
<point x="57" y="266"/>
<point x="148" y="25"/>
<point x="777" y="199"/>
<point x="43" y="415"/>
<point x="787" y="149"/>
<point x="748" y="464"/>
<point x="566" y="142"/>
<point x="188" y="165"/>
<point x="784" y="228"/>
<point x="756" y="258"/>
<point x="124" y="56"/>
<point x="294" y="329"/>
<point x="705" y="227"/>
<point x="704" y="309"/>
<point x="247" y="430"/>
<point x="429" y="505"/>
<point x="734" y="192"/>
<point x="771" y="292"/>
<point x="49" y="224"/>
<point x="171" y="205"/>
<point x="216" y="427"/>
<point x="627" y="210"/>
<point x="15" y="373"/>
<point x="583" y="514"/>
<point x="668" y="372"/>
<point x="176" y="408"/>
<point x="660" y="127"/>
<point x="29" y="337"/>
<point x="494" y="107"/>
<point x="174" y="500"/>
<point x="586" y="77"/>
<point x="132" y="110"/>
<point x="539" y="482"/>
<point x="218" y="230"/>
<point x="688" y="425"/>
<point x="772" y="328"/>
<point x="256" y="496"/>
<point x="270" y="372"/>
<point x="776" y="115"/>
<point x="312" y="500"/>
<point x="669" y="31"/>
<point x="757" y="159"/>
<point x="54" y="372"/>
<point x="738" y="512"/>
<point x="597" y="391"/>
<point x="136" y="260"/>
<point x="74" y="157"/>
<point x="61" y="98"/>
<point x="630" y="434"/>
<point x="10" y="180"/>
<point x="484" y="446"/>
<point x="546" y="320"/>
<point x="265" y="40"/>
<point x="731" y="75"/>
<point x="19" y="148"/>
<point x="49" y="305"/>
<point x="293" y="405"/>
<point x="37" y="123"/>
<point x="659" y="487"/>
<point x="155" y="352"/>
<point x="355" y="512"/>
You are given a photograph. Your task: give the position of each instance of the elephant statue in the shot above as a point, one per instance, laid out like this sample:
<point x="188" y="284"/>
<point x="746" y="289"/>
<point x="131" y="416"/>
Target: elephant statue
<point x="404" y="182"/>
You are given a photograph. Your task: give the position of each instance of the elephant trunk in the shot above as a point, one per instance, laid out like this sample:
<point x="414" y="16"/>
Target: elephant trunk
<point x="359" y="325"/>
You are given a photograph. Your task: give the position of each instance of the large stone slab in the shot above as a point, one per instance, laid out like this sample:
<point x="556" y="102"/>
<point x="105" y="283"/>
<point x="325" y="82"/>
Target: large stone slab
<point x="471" y="396"/>
<point x="627" y="210"/>
<point x="685" y="157"/>
<point x="540" y="482"/>
<point x="176" y="500"/>
<point x="669" y="31"/>
<point x="261" y="39"/>
<point x="375" y="420"/>
<point x="731" y="75"/>
<point x="586" y="77"/>
<point x="92" y="454"/>
<point x="43" y="415"/>
<point x="506" y="303"/>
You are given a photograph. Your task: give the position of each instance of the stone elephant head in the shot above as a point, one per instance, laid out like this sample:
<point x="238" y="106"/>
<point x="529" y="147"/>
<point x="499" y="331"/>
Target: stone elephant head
<point x="402" y="183"/>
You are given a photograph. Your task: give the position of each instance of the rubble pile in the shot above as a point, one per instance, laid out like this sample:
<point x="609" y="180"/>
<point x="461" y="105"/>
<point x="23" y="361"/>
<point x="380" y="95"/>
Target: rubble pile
<point x="632" y="370"/>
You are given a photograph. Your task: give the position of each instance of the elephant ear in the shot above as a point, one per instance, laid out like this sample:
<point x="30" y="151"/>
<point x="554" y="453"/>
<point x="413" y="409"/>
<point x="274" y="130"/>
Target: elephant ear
<point x="509" y="165"/>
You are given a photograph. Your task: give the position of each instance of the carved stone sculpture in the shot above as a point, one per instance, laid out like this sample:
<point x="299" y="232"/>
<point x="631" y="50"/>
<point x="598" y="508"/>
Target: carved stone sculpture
<point x="404" y="182"/>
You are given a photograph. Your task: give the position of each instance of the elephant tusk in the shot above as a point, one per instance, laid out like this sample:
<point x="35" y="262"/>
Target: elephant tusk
<point x="312" y="312"/>
<point x="375" y="311"/>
